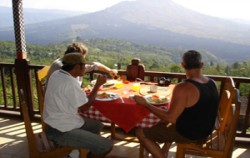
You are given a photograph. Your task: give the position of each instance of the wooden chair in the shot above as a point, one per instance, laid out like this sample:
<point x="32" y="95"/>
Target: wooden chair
<point x="39" y="146"/>
<point x="135" y="70"/>
<point x="226" y="99"/>
<point x="220" y="143"/>
<point x="41" y="85"/>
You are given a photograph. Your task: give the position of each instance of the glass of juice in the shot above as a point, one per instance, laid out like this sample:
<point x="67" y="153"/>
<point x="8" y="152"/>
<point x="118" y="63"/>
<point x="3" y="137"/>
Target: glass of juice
<point x="118" y="84"/>
<point x="136" y="86"/>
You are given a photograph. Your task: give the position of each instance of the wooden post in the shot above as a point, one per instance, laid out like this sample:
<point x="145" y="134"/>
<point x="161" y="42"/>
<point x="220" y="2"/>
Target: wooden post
<point x="21" y="63"/>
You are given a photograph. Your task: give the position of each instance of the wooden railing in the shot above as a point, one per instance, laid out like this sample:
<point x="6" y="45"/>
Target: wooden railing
<point x="9" y="100"/>
<point x="9" y="103"/>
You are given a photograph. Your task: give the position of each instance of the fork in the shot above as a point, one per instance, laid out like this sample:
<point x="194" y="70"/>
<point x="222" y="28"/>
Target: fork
<point x="122" y="100"/>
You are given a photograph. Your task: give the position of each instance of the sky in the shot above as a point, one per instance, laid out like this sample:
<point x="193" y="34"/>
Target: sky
<point x="235" y="9"/>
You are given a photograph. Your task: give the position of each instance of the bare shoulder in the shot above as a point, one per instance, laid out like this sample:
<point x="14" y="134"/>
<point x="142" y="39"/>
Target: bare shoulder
<point x="184" y="87"/>
<point x="187" y="91"/>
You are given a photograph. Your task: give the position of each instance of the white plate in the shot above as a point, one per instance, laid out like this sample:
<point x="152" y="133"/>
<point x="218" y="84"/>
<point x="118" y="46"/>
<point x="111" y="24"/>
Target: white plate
<point x="108" y="83"/>
<point x="162" y="99"/>
<point x="112" y="96"/>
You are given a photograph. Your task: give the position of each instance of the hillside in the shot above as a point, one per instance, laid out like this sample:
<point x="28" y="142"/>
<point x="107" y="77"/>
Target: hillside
<point x="160" y="22"/>
<point x="109" y="52"/>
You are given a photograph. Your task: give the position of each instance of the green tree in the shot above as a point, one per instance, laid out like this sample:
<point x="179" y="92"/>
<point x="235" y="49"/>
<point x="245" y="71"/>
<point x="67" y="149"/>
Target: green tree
<point x="175" y="68"/>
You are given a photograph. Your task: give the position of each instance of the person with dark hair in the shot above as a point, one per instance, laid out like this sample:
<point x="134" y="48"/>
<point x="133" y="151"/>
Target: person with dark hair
<point x="192" y="112"/>
<point x="64" y="101"/>
<point x="80" y="48"/>
<point x="192" y="60"/>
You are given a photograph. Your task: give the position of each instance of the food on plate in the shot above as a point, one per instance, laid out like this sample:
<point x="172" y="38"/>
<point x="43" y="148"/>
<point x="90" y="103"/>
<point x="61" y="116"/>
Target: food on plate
<point x="104" y="95"/>
<point x="108" y="82"/>
<point x="157" y="99"/>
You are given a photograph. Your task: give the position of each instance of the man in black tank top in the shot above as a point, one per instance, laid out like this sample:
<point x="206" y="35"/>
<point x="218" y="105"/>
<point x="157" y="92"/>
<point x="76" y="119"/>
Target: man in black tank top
<point x="192" y="112"/>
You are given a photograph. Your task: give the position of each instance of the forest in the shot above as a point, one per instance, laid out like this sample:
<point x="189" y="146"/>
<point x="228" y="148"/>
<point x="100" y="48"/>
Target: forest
<point x="111" y="52"/>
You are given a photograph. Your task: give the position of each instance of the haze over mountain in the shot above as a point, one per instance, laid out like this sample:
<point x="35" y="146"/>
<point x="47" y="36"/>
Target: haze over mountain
<point x="32" y="16"/>
<point x="155" y="22"/>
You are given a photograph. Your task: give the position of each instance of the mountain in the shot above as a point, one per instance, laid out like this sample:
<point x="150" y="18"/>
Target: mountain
<point x="158" y="22"/>
<point x="32" y="16"/>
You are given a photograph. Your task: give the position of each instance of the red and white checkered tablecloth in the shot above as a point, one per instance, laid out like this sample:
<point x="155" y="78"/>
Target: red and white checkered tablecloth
<point x="93" y="113"/>
<point x="147" y="122"/>
<point x="124" y="111"/>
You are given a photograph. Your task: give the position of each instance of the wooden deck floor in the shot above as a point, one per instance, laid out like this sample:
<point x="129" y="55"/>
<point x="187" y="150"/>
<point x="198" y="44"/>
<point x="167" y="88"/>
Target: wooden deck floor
<point x="13" y="143"/>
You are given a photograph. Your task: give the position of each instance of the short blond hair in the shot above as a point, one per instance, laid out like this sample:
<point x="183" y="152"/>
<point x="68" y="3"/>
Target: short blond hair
<point x="77" y="47"/>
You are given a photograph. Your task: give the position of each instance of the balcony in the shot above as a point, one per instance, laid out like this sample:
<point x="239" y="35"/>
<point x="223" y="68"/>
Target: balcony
<point x="23" y="75"/>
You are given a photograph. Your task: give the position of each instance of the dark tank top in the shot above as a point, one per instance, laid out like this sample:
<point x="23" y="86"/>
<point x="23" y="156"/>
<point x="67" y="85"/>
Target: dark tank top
<point x="197" y="122"/>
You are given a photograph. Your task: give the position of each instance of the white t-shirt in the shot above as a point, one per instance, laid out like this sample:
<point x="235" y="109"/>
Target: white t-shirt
<point x="62" y="98"/>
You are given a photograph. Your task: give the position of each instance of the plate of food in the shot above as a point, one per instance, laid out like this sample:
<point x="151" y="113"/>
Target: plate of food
<point x="107" y="84"/>
<point x="106" y="96"/>
<point x="157" y="99"/>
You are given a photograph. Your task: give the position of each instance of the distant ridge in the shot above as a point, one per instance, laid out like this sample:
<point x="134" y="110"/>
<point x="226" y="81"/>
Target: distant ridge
<point x="157" y="22"/>
<point x="32" y="16"/>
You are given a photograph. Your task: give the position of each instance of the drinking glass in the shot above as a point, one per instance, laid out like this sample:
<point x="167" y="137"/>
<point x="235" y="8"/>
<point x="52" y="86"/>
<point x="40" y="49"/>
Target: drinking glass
<point x="136" y="86"/>
<point x="118" y="84"/>
<point x="153" y="88"/>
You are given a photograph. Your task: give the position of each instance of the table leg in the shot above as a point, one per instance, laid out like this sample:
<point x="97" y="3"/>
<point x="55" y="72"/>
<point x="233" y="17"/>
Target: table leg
<point x="116" y="136"/>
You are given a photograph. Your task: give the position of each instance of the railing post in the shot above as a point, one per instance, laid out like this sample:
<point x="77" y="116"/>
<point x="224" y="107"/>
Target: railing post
<point x="21" y="63"/>
<point x="23" y="76"/>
